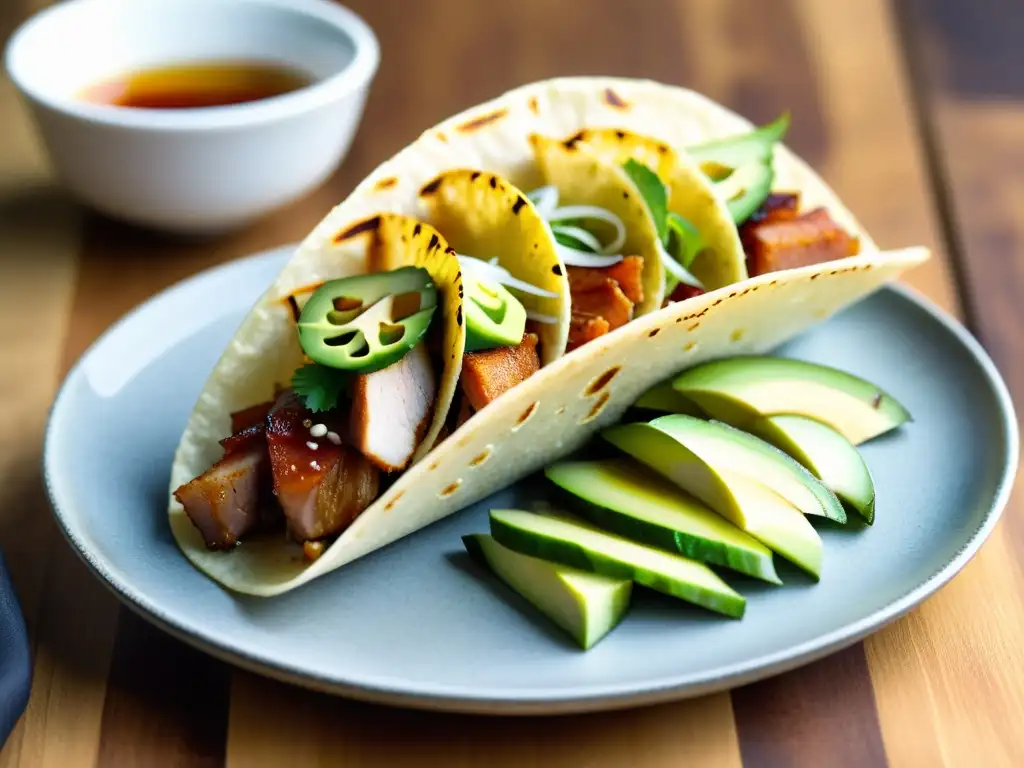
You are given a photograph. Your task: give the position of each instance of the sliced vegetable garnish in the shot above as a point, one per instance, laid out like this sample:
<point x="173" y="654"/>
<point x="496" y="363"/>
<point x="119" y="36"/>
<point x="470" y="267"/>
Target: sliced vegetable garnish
<point x="544" y="199"/>
<point x="745" y="189"/>
<point x="493" y="272"/>
<point x="577" y="213"/>
<point x="576" y="237"/>
<point x="677" y="270"/>
<point x="494" y="317"/>
<point x="684" y="241"/>
<point x="319" y="386"/>
<point x="653" y="192"/>
<point x="734" y="151"/>
<point x="537" y="317"/>
<point x="365" y="323"/>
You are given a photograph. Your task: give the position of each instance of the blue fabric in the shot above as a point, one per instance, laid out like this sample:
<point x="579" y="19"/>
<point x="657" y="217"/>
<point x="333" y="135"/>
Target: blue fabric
<point x="15" y="664"/>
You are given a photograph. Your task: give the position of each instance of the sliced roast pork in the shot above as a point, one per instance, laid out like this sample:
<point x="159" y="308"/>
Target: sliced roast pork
<point x="224" y="502"/>
<point x="391" y="409"/>
<point x="321" y="484"/>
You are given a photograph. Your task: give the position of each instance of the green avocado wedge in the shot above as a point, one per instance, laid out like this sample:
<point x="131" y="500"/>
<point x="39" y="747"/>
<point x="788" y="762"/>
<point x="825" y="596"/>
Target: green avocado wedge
<point x="738" y="497"/>
<point x="739" y="390"/>
<point x="756" y="146"/>
<point x="624" y="497"/>
<point x="664" y="399"/>
<point x="728" y="448"/>
<point x="827" y="455"/>
<point x="560" y="539"/>
<point x="586" y="605"/>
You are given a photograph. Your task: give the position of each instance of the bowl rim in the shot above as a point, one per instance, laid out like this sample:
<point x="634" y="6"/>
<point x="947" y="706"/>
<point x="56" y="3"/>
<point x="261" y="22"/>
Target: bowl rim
<point x="354" y="76"/>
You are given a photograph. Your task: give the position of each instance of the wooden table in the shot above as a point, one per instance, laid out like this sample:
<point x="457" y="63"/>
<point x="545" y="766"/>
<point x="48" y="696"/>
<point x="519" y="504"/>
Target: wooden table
<point x="913" y="111"/>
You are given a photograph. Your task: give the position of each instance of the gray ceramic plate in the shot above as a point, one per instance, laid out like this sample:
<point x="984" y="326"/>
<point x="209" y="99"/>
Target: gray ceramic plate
<point x="418" y="624"/>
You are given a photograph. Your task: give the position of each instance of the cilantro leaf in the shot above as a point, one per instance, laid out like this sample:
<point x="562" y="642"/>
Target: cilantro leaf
<point x="319" y="386"/>
<point x="653" y="193"/>
<point x="684" y="241"/>
<point x="571" y="242"/>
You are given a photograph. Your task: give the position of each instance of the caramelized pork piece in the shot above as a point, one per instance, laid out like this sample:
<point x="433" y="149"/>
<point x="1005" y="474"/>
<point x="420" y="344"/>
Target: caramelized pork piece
<point x="810" y="238"/>
<point x="606" y="300"/>
<point x="391" y="409"/>
<point x="249" y="437"/>
<point x="777" y="207"/>
<point x="682" y="292"/>
<point x="627" y="273"/>
<point x="251" y="416"/>
<point x="322" y="485"/>
<point x="488" y="374"/>
<point x="224" y="502"/>
<point x="584" y="328"/>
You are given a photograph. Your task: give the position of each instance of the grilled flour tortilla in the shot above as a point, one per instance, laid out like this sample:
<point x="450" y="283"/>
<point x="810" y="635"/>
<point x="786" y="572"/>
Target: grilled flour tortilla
<point x="572" y="395"/>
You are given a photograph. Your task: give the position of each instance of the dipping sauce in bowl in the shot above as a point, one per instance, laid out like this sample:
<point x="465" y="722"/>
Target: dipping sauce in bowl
<point x="194" y="85"/>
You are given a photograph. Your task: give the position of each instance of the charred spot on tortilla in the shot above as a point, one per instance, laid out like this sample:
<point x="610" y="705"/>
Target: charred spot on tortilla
<point x="557" y="269"/>
<point x="494" y="182"/>
<point x="474" y="175"/>
<point x="532" y="104"/>
<point x="430" y="187"/>
<point x="620" y="134"/>
<point x="598" y="407"/>
<point x="518" y="204"/>
<point x="371" y="224"/>
<point x="625" y="195"/>
<point x="434" y="242"/>
<point x="717" y="302"/>
<point x="479" y="122"/>
<point x="441" y="137"/>
<point x="654" y="333"/>
<point x="458" y="313"/>
<point x="663" y="148"/>
<point x="602" y="381"/>
<point x="813" y="277"/>
<point x="294" y="306"/>
<point x="690" y="346"/>
<point x="573" y="140"/>
<point x="481" y="457"/>
<point x="386" y="183"/>
<point x="612" y="99"/>
<point x="416" y="230"/>
<point x="394" y="500"/>
<point x="694" y="327"/>
<point x="450" y="489"/>
<point x="525" y="415"/>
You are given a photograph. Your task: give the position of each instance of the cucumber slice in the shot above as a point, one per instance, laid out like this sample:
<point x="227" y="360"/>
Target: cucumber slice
<point x="587" y="606"/>
<point x="580" y="545"/>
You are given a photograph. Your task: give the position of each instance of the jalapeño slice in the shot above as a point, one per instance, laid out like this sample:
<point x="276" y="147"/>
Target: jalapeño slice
<point x="367" y="322"/>
<point x="494" y="317"/>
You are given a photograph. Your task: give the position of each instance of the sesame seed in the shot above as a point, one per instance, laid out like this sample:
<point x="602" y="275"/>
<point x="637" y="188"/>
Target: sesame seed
<point x="314" y="466"/>
<point x="318" y="430"/>
<point x="293" y="467"/>
<point x="311" y="445"/>
<point x="333" y="437"/>
<point x="307" y="423"/>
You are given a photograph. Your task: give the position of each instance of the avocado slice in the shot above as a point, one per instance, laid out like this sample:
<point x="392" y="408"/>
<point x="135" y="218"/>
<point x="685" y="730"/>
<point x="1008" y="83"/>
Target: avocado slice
<point x="624" y="497"/>
<point x="738" y="390"/>
<point x="827" y="454"/>
<point x="586" y="605"/>
<point x="735" y="151"/>
<point x="725" y="487"/>
<point x="494" y="317"/>
<point x="745" y="189"/>
<point x="561" y="539"/>
<point x="728" y="448"/>
<point x="664" y="398"/>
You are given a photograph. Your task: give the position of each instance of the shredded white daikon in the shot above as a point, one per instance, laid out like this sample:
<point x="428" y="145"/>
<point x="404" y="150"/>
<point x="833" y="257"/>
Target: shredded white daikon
<point x="486" y="270"/>
<point x="547" y="319"/>
<point x="679" y="272"/>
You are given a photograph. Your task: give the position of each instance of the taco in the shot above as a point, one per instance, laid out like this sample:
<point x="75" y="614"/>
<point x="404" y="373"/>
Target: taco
<point x="464" y="214"/>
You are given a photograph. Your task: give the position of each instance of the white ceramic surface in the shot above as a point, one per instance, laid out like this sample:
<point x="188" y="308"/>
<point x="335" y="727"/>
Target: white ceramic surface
<point x="418" y="624"/>
<point x="197" y="170"/>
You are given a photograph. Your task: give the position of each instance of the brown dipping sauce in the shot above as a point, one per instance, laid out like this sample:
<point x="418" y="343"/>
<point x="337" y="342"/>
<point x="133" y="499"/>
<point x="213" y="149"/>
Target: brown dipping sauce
<point x="196" y="85"/>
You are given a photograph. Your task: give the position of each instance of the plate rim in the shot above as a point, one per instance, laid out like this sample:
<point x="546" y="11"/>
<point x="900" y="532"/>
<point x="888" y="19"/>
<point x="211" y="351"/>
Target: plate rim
<point x="603" y="697"/>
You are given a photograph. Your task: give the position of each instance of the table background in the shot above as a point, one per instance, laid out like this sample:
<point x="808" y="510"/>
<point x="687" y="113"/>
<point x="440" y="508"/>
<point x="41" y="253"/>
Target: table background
<point x="912" y="111"/>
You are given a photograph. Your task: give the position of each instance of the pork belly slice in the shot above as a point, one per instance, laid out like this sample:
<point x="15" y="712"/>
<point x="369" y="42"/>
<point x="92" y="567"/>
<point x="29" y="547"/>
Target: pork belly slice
<point x="321" y="484"/>
<point x="224" y="502"/>
<point x="391" y="409"/>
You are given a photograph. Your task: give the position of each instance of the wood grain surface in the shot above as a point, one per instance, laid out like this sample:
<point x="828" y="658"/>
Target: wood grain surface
<point x="912" y="111"/>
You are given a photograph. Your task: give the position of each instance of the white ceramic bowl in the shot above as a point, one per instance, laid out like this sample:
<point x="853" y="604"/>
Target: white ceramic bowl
<point x="193" y="170"/>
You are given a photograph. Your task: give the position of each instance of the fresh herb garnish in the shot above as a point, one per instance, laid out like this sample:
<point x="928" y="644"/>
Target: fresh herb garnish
<point x="571" y="242"/>
<point x="684" y="241"/>
<point x="319" y="386"/>
<point x="653" y="192"/>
